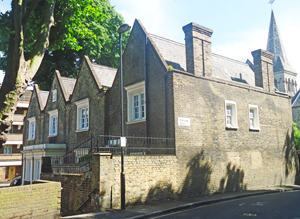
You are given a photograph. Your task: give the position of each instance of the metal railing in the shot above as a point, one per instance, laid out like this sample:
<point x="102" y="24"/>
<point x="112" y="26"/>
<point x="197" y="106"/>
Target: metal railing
<point x="78" y="159"/>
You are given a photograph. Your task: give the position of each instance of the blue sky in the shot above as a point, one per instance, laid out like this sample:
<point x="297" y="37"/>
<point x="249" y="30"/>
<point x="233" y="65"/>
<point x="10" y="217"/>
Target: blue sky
<point x="239" y="26"/>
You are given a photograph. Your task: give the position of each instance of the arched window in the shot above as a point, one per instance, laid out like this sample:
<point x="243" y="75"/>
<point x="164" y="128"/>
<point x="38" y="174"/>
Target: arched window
<point x="289" y="85"/>
<point x="293" y="86"/>
<point x="275" y="82"/>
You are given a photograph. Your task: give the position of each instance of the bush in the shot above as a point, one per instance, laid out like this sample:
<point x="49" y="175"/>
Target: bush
<point x="296" y="135"/>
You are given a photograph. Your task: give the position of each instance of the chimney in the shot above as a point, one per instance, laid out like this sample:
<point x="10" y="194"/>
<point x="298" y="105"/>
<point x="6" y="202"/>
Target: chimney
<point x="198" y="49"/>
<point x="263" y="68"/>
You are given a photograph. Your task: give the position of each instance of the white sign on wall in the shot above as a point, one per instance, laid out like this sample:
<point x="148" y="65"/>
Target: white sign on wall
<point x="184" y="121"/>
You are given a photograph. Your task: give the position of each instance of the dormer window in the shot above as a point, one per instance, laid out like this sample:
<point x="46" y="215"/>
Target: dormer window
<point x="54" y="95"/>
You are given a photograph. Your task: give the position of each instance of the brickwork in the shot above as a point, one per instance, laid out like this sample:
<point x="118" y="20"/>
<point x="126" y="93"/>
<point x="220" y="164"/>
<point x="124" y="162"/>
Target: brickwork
<point x="60" y="104"/>
<point x="148" y="179"/>
<point x="80" y="192"/>
<point x="34" y="111"/>
<point x="248" y="158"/>
<point x="263" y="68"/>
<point x="86" y="87"/>
<point x="31" y="201"/>
<point x="198" y="49"/>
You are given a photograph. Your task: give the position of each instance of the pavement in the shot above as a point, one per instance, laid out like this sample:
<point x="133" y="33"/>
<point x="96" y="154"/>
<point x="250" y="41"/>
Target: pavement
<point x="4" y="183"/>
<point x="160" y="208"/>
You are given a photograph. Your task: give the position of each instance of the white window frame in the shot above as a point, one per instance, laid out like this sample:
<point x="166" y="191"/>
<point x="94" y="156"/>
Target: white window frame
<point x="255" y="119"/>
<point x="83" y="123"/>
<point x="234" y="120"/>
<point x="31" y="128"/>
<point x="138" y="90"/>
<point x="54" y="95"/>
<point x="53" y="115"/>
<point x="7" y="149"/>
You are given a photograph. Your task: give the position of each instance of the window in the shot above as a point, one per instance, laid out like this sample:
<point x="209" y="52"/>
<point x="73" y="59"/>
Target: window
<point x="54" y="95"/>
<point x="7" y="149"/>
<point x="253" y="117"/>
<point x="37" y="169"/>
<point x="83" y="114"/>
<point x="231" y="114"/>
<point x="136" y="103"/>
<point x="11" y="131"/>
<point x="53" y="122"/>
<point x="31" y="128"/>
<point x="28" y="175"/>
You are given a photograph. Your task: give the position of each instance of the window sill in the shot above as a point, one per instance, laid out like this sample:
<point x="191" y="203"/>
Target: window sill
<point x="49" y="136"/>
<point x="82" y="130"/>
<point x="254" y="129"/>
<point x="231" y="128"/>
<point x="31" y="139"/>
<point x="136" y="121"/>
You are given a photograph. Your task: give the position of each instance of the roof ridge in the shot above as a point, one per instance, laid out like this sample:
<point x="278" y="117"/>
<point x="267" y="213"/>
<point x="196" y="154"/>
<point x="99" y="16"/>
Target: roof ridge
<point x="104" y="66"/>
<point x="68" y="78"/>
<point x="166" y="39"/>
<point x="231" y="59"/>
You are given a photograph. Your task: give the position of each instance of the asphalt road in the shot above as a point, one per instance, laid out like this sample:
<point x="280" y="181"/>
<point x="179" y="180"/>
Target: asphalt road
<point x="283" y="205"/>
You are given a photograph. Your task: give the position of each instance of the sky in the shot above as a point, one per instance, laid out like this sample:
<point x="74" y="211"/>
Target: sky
<point x="239" y="26"/>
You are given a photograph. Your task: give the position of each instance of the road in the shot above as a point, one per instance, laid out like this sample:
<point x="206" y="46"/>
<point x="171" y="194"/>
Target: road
<point x="283" y="205"/>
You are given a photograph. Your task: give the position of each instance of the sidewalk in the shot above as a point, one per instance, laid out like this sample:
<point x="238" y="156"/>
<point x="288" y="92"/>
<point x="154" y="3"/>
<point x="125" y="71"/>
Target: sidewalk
<point x="155" y="209"/>
<point x="5" y="183"/>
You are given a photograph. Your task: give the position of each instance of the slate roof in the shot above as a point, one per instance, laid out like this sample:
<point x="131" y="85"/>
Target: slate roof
<point x="69" y="84"/>
<point x="275" y="45"/>
<point x="44" y="96"/>
<point x="106" y="75"/>
<point x="223" y="67"/>
<point x="296" y="99"/>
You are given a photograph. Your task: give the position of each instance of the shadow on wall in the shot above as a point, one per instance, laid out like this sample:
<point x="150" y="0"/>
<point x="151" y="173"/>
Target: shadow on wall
<point x="291" y="161"/>
<point x="196" y="182"/>
<point x="198" y="177"/>
<point x="233" y="180"/>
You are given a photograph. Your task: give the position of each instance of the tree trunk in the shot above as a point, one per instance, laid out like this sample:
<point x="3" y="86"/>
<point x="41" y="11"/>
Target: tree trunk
<point x="19" y="71"/>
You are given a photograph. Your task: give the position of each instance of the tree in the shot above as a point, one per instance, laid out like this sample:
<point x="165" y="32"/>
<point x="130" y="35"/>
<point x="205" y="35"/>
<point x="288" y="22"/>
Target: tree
<point x="20" y="69"/>
<point x="86" y="27"/>
<point x="81" y="28"/>
<point x="296" y="135"/>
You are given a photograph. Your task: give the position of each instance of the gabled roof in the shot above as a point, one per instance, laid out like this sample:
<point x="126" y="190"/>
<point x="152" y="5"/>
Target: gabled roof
<point x="275" y="46"/>
<point x="69" y="84"/>
<point x="106" y="75"/>
<point x="42" y="97"/>
<point x="103" y="75"/>
<point x="223" y="67"/>
<point x="296" y="99"/>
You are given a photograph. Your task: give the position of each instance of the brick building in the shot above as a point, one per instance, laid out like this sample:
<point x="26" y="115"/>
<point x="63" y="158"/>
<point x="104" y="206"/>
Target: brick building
<point x="10" y="154"/>
<point x="232" y="127"/>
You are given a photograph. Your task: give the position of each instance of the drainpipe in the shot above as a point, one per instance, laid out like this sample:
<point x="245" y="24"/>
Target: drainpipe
<point x="146" y="87"/>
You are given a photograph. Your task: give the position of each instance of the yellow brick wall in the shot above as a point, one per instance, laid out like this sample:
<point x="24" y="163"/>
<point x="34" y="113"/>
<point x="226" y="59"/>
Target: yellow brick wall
<point x="31" y="201"/>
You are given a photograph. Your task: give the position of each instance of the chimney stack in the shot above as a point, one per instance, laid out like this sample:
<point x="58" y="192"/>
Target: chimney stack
<point x="263" y="68"/>
<point x="198" y="49"/>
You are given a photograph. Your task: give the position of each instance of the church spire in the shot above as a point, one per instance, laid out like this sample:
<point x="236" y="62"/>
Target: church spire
<point x="275" y="45"/>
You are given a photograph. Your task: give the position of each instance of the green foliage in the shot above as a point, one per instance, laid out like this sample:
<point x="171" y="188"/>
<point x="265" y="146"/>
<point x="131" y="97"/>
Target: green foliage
<point x="82" y="27"/>
<point x="296" y="135"/>
<point x="85" y="158"/>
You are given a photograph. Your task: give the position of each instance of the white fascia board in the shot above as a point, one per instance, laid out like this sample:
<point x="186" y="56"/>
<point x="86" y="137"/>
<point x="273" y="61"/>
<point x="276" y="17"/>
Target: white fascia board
<point x="10" y="163"/>
<point x="23" y="105"/>
<point x="13" y="142"/>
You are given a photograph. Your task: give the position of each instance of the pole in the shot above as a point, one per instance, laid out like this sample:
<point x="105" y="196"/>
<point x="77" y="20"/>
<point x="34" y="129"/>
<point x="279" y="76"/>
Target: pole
<point x="122" y="129"/>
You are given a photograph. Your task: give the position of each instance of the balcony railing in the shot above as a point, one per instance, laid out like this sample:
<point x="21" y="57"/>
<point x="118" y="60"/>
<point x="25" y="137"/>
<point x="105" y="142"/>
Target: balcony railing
<point x="11" y="157"/>
<point x="78" y="159"/>
<point x="14" y="137"/>
<point x="18" y="117"/>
